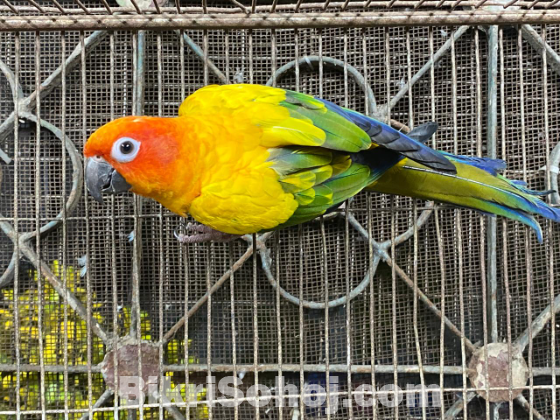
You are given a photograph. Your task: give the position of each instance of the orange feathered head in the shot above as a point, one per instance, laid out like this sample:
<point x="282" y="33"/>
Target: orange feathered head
<point x="139" y="154"/>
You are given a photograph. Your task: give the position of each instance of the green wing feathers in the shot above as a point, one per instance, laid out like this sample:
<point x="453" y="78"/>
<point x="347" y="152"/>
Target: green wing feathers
<point x="340" y="133"/>
<point x="319" y="179"/>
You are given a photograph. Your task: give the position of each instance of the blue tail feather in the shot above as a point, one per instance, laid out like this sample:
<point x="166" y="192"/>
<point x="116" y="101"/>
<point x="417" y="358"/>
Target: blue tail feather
<point x="492" y="166"/>
<point x="522" y="217"/>
<point x="522" y="186"/>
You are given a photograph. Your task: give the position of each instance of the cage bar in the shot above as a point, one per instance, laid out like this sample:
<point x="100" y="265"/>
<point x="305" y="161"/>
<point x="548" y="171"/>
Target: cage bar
<point x="375" y="294"/>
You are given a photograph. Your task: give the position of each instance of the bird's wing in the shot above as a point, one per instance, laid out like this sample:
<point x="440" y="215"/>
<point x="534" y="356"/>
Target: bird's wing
<point x="291" y="118"/>
<point x="312" y="143"/>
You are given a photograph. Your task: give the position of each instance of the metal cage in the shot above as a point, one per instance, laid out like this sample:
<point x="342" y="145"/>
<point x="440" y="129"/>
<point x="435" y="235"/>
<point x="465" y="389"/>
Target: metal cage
<point x="384" y="297"/>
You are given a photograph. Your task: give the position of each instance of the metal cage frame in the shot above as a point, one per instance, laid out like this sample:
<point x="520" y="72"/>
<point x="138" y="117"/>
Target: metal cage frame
<point x="36" y="16"/>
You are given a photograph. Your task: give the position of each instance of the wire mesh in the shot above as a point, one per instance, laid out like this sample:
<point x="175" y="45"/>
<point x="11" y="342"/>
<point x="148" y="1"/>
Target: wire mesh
<point x="96" y="288"/>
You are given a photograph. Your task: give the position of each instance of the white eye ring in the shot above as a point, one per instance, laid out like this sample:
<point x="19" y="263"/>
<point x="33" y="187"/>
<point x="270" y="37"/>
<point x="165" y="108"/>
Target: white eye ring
<point x="125" y="149"/>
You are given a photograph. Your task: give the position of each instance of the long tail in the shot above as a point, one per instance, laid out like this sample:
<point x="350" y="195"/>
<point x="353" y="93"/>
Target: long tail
<point x="476" y="185"/>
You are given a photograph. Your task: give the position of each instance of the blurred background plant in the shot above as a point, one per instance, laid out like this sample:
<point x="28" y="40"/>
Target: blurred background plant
<point x="65" y="335"/>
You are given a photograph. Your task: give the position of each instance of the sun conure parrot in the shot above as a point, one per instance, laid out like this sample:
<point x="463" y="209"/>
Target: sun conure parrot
<point x="244" y="158"/>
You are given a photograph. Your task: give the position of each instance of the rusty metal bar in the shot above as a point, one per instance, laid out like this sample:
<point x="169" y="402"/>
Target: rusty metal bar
<point x="108" y="7"/>
<point x="34" y="3"/>
<point x="114" y="283"/>
<point x="135" y="5"/>
<point x="26" y="104"/>
<point x="549" y="224"/>
<point x="219" y="400"/>
<point x="485" y="295"/>
<point x="333" y="368"/>
<point x="84" y="8"/>
<point x="415" y="239"/>
<point x="491" y="145"/>
<point x="17" y="254"/>
<point x="233" y="329"/>
<point x="528" y="255"/>
<point x="250" y="54"/>
<point x="401" y="4"/>
<point x="533" y="413"/>
<point x="184" y="254"/>
<point x="157" y="6"/>
<point x="300" y="367"/>
<point x="107" y="394"/>
<point x="232" y="276"/>
<point x="442" y="280"/>
<point x="489" y="274"/>
<point x="58" y="6"/>
<point x="279" y="20"/>
<point x="240" y="5"/>
<point x="324" y="261"/>
<point x="393" y="346"/>
<point x="209" y="246"/>
<point x="459" y="405"/>
<point x="209" y="251"/>
<point x="255" y="324"/>
<point x="172" y="409"/>
<point x="75" y="303"/>
<point x="278" y="320"/>
<point x="538" y="324"/>
<point x="347" y="262"/>
<point x="138" y="50"/>
<point x="504" y="225"/>
<point x="64" y="219"/>
<point x="371" y="295"/>
<point x="287" y="367"/>
<point x="540" y="45"/>
<point x="205" y="58"/>
<point x="11" y="7"/>
<point x="169" y="335"/>
<point x="458" y="227"/>
<point x="438" y="230"/>
<point x="89" y="303"/>
<point x="533" y="4"/>
<point x="425" y="299"/>
<point x="37" y="202"/>
<point x="135" y="331"/>
<point x="301" y="322"/>
<point x="161" y="350"/>
<point x="429" y="64"/>
<point x="274" y="53"/>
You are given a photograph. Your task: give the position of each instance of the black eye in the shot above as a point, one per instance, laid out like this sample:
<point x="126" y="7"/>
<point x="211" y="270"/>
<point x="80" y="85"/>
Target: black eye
<point x="126" y="147"/>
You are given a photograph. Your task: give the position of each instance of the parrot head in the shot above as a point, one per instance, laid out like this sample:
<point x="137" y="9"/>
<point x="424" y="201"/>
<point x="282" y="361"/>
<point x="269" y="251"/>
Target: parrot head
<point x="138" y="154"/>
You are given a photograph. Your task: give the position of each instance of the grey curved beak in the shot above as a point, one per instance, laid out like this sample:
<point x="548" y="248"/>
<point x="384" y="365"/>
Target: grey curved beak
<point x="103" y="178"/>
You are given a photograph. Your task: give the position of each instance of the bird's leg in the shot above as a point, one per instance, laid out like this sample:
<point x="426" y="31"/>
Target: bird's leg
<point x="198" y="233"/>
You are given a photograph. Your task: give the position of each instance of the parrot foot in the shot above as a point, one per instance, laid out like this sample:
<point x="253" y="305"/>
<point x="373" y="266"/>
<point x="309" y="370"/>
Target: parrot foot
<point x="197" y="233"/>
